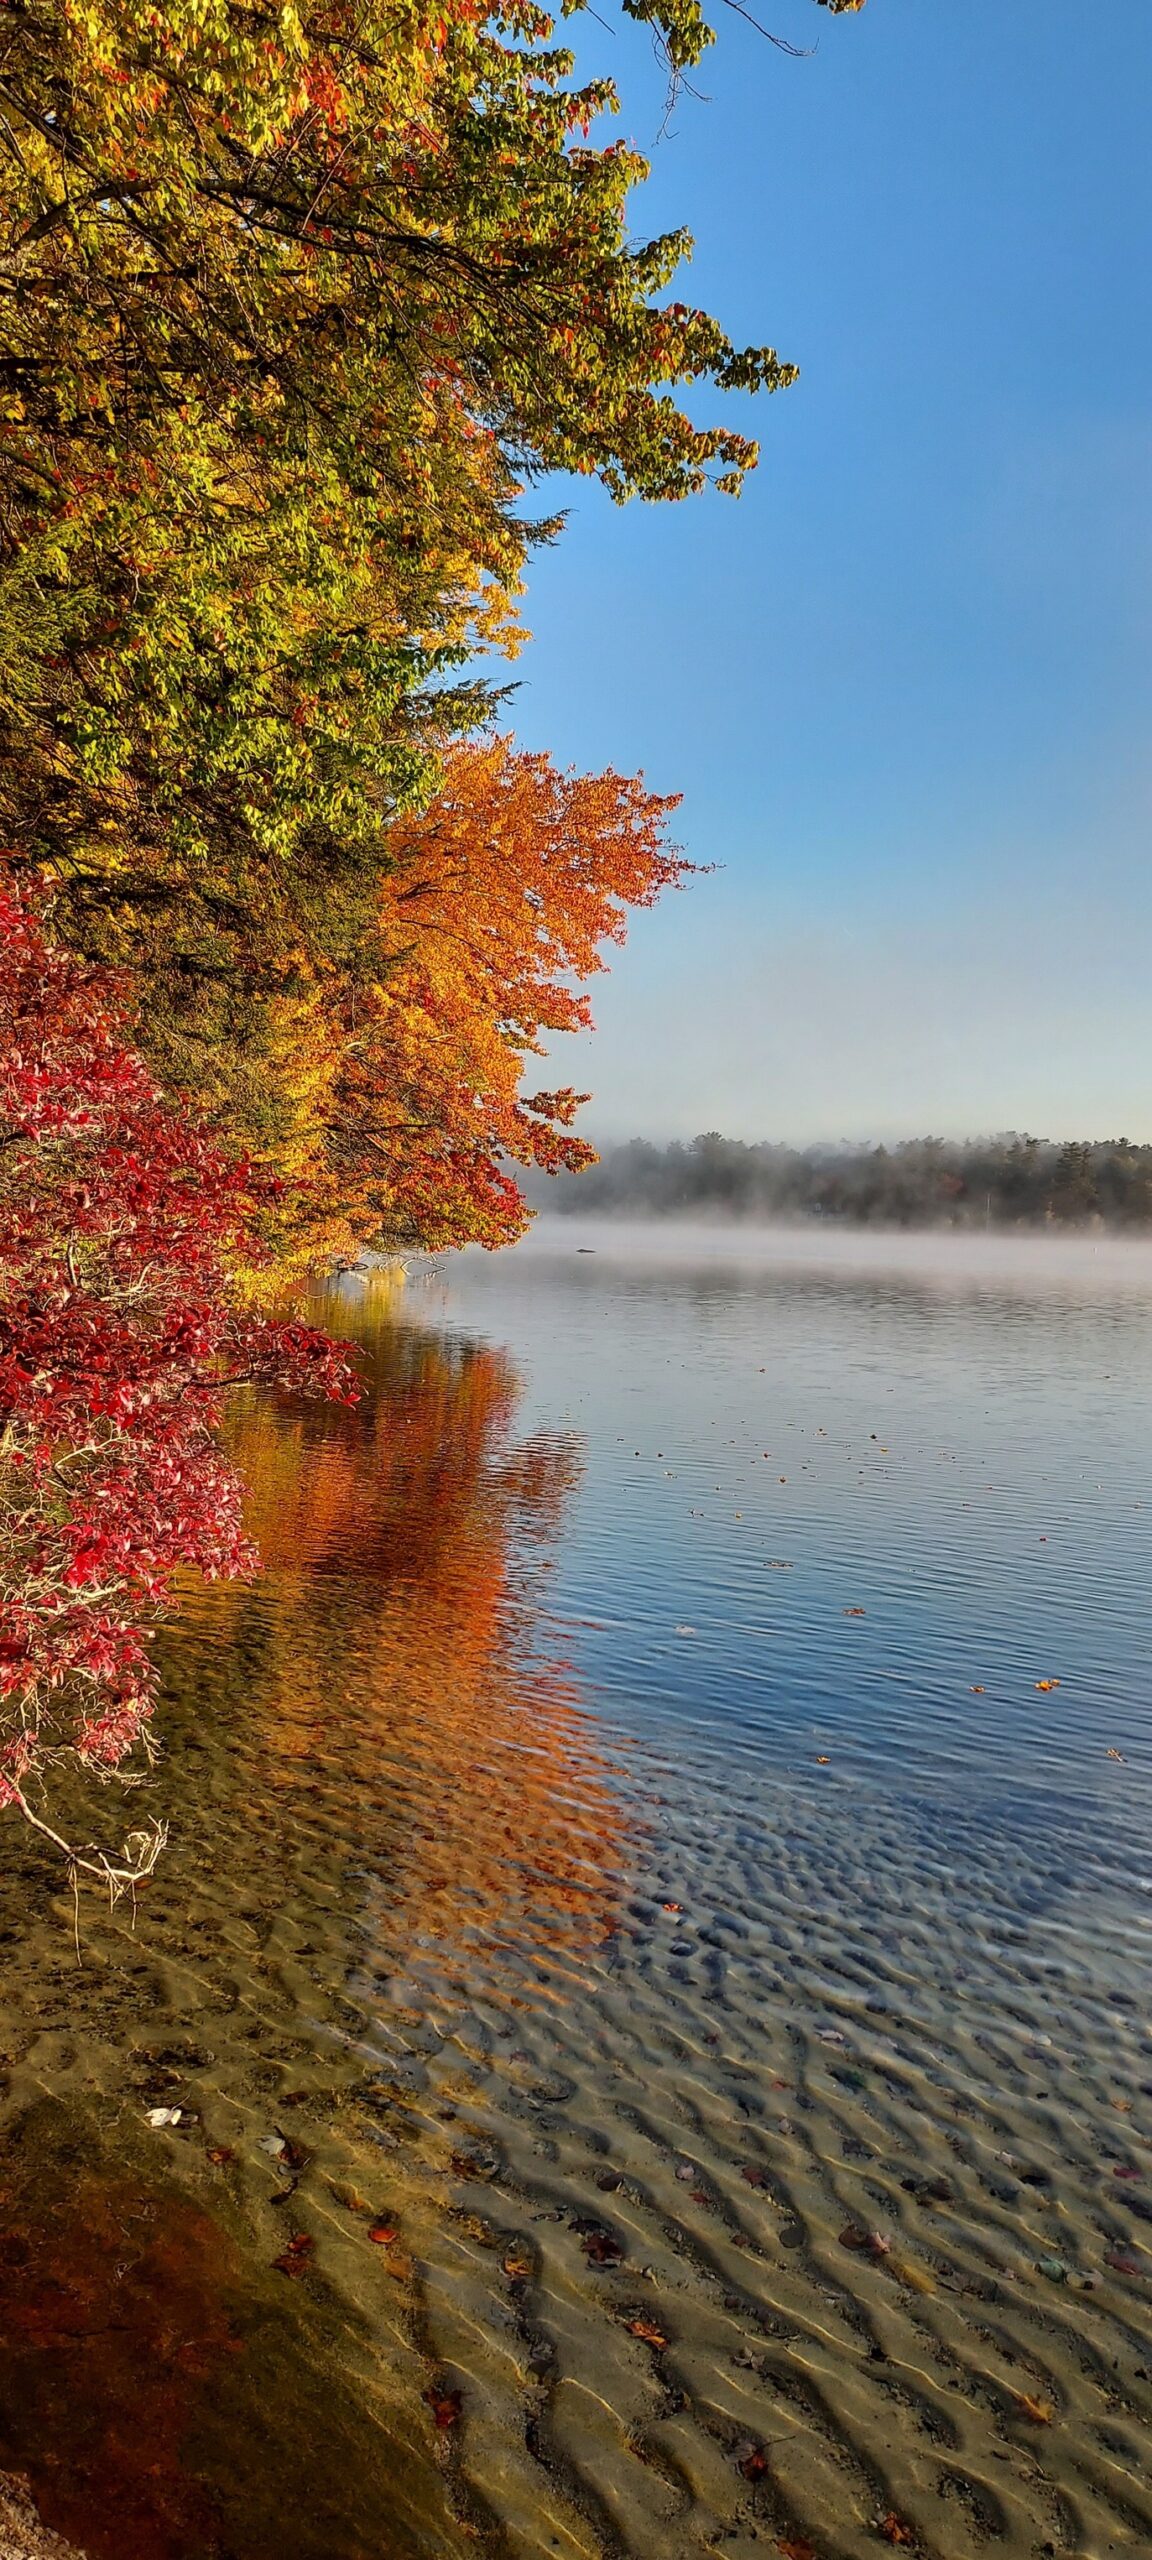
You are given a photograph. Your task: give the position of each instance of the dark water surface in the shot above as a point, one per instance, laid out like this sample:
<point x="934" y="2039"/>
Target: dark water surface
<point x="653" y="1951"/>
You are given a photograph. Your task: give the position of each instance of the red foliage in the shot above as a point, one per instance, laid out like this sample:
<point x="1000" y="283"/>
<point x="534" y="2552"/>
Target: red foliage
<point x="120" y="1220"/>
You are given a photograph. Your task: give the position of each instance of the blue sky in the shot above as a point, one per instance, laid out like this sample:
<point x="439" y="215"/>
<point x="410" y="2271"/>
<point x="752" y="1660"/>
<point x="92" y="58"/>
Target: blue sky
<point x="904" y="682"/>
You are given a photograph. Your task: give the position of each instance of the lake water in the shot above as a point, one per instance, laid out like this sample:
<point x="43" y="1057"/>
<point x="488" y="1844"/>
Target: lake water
<point x="652" y="1956"/>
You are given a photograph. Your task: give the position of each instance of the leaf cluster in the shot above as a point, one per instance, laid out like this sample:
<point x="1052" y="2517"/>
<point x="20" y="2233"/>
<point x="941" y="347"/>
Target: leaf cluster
<point x="294" y="301"/>
<point x="120" y="1225"/>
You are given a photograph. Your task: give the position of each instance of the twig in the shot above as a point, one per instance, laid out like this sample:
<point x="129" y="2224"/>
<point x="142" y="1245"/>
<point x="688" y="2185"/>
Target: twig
<point x="798" y="52"/>
<point x="141" y="1850"/>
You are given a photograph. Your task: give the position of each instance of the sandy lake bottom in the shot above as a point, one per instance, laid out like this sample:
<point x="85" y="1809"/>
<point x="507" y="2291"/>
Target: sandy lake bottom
<point x="651" y="1966"/>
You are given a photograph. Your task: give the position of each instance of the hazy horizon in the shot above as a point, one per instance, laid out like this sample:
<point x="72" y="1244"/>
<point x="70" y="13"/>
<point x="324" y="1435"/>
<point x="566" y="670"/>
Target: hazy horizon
<point x="603" y="1137"/>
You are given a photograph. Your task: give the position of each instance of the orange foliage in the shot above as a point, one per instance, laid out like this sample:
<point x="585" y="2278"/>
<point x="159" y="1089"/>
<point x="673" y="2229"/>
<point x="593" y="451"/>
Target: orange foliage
<point x="499" y="902"/>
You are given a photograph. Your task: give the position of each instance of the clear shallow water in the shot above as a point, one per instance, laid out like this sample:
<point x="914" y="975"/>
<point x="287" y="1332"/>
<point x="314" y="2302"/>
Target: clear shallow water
<point x="622" y="1846"/>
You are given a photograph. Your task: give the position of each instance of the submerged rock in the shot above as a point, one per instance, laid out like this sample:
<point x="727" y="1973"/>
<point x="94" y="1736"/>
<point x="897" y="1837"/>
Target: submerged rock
<point x="22" y="2536"/>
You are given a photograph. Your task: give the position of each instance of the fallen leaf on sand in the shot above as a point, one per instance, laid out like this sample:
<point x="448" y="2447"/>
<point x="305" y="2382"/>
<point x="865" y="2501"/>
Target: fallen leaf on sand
<point x="601" y="2250"/>
<point x="350" y="2198"/>
<point x="220" y="2155"/>
<point x="295" y="2257"/>
<point x="474" y="2165"/>
<point x="895" y="2530"/>
<point x="1123" y="2261"/>
<point x="750" y="2462"/>
<point x="1040" y="2411"/>
<point x="671" y="1906"/>
<point x="797" y="2550"/>
<point x="755" y="2177"/>
<point x="445" y="2406"/>
<point x="383" y="2233"/>
<point x="648" y="2330"/>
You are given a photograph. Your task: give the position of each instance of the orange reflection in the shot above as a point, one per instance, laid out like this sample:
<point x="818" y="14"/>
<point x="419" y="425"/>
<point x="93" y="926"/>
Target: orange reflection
<point x="398" y="1677"/>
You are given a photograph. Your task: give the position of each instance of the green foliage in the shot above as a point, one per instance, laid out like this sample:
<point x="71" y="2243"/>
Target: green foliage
<point x="293" y="302"/>
<point x="297" y="299"/>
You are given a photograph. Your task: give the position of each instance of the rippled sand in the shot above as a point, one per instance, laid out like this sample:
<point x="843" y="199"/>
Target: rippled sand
<point x="656" y="2133"/>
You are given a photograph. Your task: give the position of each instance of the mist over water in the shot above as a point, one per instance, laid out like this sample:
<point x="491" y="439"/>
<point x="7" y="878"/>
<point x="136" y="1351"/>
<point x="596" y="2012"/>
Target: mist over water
<point x="1088" y="1262"/>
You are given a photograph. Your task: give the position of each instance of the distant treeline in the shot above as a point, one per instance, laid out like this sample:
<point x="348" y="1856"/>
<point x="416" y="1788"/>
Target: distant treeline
<point x="925" y="1182"/>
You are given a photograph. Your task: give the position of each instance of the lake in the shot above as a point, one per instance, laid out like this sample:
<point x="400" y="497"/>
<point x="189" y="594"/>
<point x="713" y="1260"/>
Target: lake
<point x="652" y="1954"/>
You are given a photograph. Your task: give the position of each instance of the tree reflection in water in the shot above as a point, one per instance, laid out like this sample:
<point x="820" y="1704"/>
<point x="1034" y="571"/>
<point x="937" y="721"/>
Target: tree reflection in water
<point x="405" y="1690"/>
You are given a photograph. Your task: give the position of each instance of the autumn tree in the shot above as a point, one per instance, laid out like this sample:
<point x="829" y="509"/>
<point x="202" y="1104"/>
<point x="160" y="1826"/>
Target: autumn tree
<point x="403" y="1103"/>
<point x="294" y="304"/>
<point x="119" y="1331"/>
